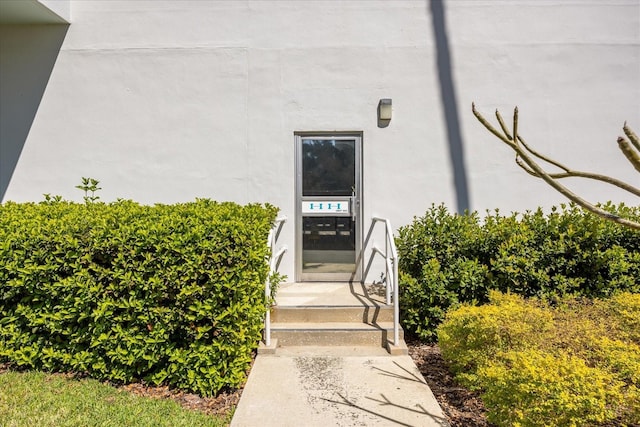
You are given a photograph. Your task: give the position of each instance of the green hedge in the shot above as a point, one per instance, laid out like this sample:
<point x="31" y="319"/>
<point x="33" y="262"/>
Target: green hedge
<point x="166" y="294"/>
<point x="446" y="259"/>
<point x="574" y="364"/>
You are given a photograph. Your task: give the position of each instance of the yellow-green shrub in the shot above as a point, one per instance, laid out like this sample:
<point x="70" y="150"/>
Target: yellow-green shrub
<point x="575" y="363"/>
<point x="531" y="388"/>
<point x="578" y="323"/>
<point x="622" y="360"/>
<point x="624" y="309"/>
<point x="619" y="356"/>
<point x="471" y="335"/>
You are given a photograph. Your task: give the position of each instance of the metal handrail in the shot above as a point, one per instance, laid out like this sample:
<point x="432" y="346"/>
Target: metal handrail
<point x="390" y="256"/>
<point x="274" y="263"/>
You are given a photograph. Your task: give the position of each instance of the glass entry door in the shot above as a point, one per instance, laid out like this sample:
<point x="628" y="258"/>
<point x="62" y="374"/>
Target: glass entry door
<point x="328" y="207"/>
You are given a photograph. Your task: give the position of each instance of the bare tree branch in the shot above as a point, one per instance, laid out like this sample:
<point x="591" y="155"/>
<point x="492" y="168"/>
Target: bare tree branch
<point x="526" y="159"/>
<point x="629" y="152"/>
<point x="490" y="128"/>
<point x="570" y="173"/>
<point x="515" y="125"/>
<point x="505" y="130"/>
<point x="542" y="157"/>
<point x="632" y="136"/>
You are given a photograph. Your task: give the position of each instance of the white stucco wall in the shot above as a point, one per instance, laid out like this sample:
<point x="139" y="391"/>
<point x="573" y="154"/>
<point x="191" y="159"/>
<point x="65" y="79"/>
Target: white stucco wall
<point x="166" y="101"/>
<point x="62" y="8"/>
<point x="35" y="11"/>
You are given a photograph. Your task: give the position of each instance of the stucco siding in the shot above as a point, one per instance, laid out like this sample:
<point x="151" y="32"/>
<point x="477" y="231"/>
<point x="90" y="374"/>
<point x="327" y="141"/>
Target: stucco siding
<point x="166" y="101"/>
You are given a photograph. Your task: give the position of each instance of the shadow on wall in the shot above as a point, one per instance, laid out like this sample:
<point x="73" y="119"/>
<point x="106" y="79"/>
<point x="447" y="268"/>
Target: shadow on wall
<point x="449" y="104"/>
<point x="27" y="56"/>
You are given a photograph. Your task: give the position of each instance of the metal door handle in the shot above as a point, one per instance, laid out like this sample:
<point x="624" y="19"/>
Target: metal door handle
<point x="353" y="205"/>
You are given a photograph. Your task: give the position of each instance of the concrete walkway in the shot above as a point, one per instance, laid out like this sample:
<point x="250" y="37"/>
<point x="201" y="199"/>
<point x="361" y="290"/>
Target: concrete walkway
<point x="336" y="386"/>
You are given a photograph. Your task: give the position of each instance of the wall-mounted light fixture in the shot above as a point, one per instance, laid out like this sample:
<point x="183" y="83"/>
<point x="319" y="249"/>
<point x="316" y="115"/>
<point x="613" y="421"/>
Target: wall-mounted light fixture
<point x="384" y="109"/>
<point x="384" y="112"/>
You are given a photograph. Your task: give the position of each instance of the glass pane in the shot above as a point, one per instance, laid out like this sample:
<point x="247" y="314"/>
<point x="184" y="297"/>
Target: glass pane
<point x="328" y="244"/>
<point x="328" y="167"/>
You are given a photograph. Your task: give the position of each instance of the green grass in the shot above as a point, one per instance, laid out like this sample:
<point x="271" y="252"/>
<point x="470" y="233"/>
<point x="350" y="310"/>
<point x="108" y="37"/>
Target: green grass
<point x="33" y="399"/>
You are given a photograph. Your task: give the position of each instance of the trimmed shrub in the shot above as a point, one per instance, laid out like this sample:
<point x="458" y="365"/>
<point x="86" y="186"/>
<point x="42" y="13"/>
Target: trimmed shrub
<point x="624" y="311"/>
<point x="167" y="294"/>
<point x="448" y="259"/>
<point x="530" y="388"/>
<point x="472" y="335"/>
<point x="571" y="364"/>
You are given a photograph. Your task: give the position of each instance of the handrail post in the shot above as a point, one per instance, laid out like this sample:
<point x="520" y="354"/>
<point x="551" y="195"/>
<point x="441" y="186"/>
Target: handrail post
<point x="391" y="260"/>
<point x="396" y="305"/>
<point x="267" y="327"/>
<point x="388" y="270"/>
<point x="274" y="262"/>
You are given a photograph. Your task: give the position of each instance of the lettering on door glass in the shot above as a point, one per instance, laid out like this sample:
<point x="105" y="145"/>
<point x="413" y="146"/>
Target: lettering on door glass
<point x="325" y="206"/>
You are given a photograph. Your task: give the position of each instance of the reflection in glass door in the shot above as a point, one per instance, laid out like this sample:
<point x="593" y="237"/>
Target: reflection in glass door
<point x="328" y="207"/>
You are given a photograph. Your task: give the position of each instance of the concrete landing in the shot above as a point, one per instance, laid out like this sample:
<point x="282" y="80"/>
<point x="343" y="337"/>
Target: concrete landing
<point x="336" y="386"/>
<point x="333" y="294"/>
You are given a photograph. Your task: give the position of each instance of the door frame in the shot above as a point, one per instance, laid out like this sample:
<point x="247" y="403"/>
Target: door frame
<point x="357" y="208"/>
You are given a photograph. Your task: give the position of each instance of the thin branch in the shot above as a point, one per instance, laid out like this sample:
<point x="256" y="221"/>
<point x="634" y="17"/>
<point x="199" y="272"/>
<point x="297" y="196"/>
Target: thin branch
<point x="524" y="167"/>
<point x="515" y="126"/>
<point x="525" y="158"/>
<point x="629" y="152"/>
<point x="569" y="173"/>
<point x="488" y="126"/>
<point x="503" y="125"/>
<point x="542" y="157"/>
<point x="632" y="136"/>
<point x="575" y="198"/>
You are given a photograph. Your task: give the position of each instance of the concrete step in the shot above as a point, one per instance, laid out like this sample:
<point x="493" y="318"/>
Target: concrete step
<point x="335" y="315"/>
<point x="356" y="314"/>
<point x="333" y="334"/>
